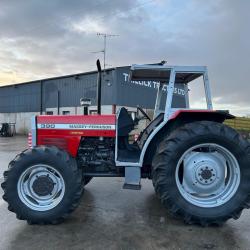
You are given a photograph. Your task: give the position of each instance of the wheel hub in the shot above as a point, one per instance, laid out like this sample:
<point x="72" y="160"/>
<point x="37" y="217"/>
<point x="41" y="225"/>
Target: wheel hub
<point x="203" y="173"/>
<point x="206" y="175"/>
<point x="43" y="185"/>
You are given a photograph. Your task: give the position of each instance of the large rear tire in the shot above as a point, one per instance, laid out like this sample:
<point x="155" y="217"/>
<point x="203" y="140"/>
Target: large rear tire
<point x="201" y="173"/>
<point x="43" y="185"/>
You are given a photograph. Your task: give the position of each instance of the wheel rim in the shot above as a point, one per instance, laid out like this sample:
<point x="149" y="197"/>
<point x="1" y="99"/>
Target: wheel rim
<point x="207" y="175"/>
<point x="41" y="187"/>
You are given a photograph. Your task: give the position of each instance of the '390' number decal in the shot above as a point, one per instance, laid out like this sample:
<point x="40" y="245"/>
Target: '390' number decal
<point x="47" y="125"/>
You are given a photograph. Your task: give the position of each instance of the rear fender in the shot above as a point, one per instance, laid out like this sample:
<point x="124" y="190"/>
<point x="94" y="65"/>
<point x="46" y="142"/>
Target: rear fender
<point x="201" y="115"/>
<point x="178" y="119"/>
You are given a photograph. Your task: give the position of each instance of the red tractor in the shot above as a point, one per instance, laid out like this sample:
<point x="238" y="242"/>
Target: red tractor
<point x="200" y="168"/>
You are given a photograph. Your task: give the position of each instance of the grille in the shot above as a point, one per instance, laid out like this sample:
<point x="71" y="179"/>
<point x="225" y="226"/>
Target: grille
<point x="58" y="142"/>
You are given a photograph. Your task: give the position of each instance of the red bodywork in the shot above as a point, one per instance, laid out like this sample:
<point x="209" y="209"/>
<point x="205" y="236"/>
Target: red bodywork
<point x="200" y="114"/>
<point x="66" y="132"/>
<point x="198" y="111"/>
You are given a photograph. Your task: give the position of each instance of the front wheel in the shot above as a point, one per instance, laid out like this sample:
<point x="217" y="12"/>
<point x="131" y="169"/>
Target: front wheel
<point x="201" y="173"/>
<point x="43" y="185"/>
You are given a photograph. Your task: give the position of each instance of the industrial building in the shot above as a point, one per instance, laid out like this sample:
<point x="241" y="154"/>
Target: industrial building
<point x="61" y="95"/>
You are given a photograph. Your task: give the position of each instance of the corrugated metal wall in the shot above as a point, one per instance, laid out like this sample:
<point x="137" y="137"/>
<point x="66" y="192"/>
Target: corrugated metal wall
<point x="20" y="98"/>
<point x="27" y="97"/>
<point x="69" y="90"/>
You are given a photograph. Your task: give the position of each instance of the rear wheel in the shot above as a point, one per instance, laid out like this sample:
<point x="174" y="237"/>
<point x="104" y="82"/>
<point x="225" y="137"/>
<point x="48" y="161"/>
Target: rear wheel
<point x="43" y="185"/>
<point x="201" y="173"/>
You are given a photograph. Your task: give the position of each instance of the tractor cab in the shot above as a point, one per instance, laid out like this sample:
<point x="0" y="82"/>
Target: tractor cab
<point x="133" y="155"/>
<point x="127" y="153"/>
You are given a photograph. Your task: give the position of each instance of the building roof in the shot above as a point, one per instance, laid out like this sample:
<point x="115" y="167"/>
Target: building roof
<point x="59" y="77"/>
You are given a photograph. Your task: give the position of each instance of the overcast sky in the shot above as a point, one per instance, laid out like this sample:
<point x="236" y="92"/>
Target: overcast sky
<point x="40" y="39"/>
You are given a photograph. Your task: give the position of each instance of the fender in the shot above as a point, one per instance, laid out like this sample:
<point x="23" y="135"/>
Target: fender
<point x="197" y="115"/>
<point x="179" y="118"/>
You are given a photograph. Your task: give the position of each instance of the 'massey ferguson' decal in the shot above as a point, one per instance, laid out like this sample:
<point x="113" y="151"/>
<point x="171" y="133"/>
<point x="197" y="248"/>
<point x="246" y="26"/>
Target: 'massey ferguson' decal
<point x="76" y="126"/>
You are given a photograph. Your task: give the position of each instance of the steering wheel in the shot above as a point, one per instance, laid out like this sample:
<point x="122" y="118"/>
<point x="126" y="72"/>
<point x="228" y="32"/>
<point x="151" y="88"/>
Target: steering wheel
<point x="144" y="113"/>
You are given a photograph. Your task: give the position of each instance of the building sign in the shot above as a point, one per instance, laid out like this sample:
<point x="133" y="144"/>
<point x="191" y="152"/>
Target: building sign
<point x="153" y="84"/>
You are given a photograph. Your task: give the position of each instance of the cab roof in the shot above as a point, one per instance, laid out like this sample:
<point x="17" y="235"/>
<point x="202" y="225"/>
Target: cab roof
<point x="184" y="74"/>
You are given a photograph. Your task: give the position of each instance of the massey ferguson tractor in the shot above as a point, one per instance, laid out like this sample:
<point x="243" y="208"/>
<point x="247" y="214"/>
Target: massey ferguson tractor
<point x="200" y="168"/>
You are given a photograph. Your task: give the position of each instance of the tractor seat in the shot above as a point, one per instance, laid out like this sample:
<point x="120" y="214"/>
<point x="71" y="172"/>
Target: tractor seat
<point x="125" y="123"/>
<point x="126" y="152"/>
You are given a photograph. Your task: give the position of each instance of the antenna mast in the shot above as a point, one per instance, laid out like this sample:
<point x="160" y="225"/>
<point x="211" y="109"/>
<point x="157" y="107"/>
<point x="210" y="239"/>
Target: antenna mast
<point x="104" y="35"/>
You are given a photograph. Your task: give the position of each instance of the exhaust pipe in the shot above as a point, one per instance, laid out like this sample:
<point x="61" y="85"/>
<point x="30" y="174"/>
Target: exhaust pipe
<point x="99" y="81"/>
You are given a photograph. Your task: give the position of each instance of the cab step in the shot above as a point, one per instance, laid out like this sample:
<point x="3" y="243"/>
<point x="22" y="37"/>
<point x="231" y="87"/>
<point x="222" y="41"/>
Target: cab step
<point x="132" y="178"/>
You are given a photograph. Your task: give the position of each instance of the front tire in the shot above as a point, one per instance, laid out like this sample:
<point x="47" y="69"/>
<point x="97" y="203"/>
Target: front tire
<point x="42" y="185"/>
<point x="201" y="173"/>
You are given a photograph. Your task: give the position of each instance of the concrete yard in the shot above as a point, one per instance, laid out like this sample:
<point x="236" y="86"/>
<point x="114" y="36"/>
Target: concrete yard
<point x="112" y="218"/>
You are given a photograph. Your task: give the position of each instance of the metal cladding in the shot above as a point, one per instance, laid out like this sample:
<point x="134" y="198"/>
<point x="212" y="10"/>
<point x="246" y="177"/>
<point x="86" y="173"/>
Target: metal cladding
<point x="66" y="91"/>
